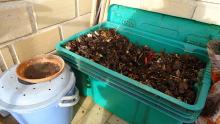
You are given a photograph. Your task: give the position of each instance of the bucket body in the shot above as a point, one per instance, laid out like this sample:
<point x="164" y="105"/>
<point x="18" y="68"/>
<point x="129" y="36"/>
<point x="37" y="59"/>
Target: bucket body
<point x="52" y="114"/>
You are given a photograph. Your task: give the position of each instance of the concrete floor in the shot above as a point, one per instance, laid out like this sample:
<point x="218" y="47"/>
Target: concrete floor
<point x="86" y="113"/>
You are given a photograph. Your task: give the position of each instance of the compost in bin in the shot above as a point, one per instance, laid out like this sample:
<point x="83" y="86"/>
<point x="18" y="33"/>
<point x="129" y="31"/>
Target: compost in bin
<point x="172" y="74"/>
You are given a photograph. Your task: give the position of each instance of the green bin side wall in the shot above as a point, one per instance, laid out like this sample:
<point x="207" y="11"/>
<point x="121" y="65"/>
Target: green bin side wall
<point x="126" y="107"/>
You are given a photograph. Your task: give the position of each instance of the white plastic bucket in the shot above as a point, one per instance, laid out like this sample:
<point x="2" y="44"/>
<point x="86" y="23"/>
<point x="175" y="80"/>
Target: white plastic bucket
<point x="43" y="103"/>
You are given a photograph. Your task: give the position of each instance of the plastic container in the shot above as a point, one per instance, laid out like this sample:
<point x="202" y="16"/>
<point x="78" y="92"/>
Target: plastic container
<point x="48" y="102"/>
<point x="213" y="51"/>
<point x="159" y="32"/>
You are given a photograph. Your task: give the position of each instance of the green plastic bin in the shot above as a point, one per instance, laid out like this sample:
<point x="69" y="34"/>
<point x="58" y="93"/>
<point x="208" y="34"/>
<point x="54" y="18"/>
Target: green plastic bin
<point x="158" y="31"/>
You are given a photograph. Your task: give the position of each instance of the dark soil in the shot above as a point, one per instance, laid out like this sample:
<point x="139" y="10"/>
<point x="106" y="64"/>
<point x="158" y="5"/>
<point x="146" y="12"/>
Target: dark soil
<point x="41" y="70"/>
<point x="171" y="74"/>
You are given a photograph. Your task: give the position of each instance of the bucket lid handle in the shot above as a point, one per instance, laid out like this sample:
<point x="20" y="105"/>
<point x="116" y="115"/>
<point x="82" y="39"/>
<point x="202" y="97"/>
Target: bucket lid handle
<point x="68" y="101"/>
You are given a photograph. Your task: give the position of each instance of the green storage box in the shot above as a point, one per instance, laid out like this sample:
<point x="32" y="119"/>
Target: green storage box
<point x="158" y="31"/>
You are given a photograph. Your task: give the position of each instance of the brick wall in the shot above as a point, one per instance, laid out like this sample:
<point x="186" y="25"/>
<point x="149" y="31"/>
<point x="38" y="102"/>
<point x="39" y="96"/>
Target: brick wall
<point x="32" y="27"/>
<point x="207" y="11"/>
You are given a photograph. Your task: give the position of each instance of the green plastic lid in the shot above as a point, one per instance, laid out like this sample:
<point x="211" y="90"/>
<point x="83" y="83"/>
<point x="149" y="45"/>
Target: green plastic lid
<point x="183" y="30"/>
